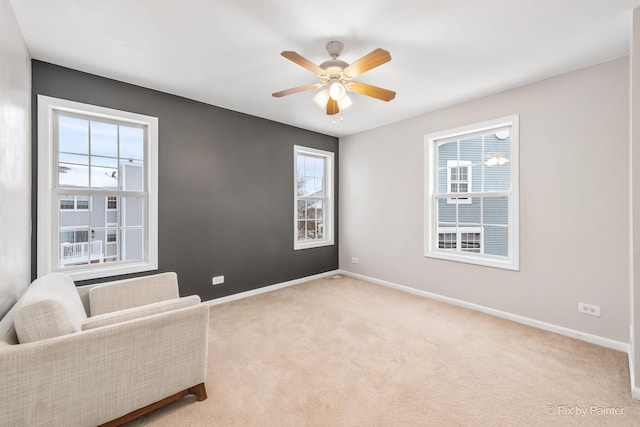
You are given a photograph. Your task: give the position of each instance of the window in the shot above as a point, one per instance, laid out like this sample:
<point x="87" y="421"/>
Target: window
<point x="313" y="205"/>
<point x="97" y="190"/>
<point x="467" y="239"/>
<point x="74" y="203"/>
<point x="459" y="176"/>
<point x="112" y="203"/>
<point x="471" y="208"/>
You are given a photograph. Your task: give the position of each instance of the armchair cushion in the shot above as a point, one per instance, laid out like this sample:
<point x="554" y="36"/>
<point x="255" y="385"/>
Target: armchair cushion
<point x="50" y="307"/>
<point x="138" y="312"/>
<point x="129" y="293"/>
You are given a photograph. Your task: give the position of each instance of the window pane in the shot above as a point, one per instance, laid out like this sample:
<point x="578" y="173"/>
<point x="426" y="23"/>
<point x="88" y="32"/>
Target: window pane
<point x="496" y="163"/>
<point x="131" y="143"/>
<point x="496" y="240"/>
<point x="73" y="175"/>
<point x="132" y="211"/>
<point x="311" y="229"/>
<point x="301" y="230"/>
<point x="470" y="213"/>
<point x="74" y="247"/>
<point x="311" y="210"/>
<point x="73" y="135"/>
<point x="309" y="167"/>
<point x="132" y="176"/>
<point x="319" y="168"/>
<point x="495" y="210"/>
<point x="104" y="139"/>
<point x="72" y="217"/>
<point x="318" y="190"/>
<point x="299" y="166"/>
<point x="302" y="209"/>
<point x="470" y="242"/>
<point x="132" y="245"/>
<point x="319" y="209"/>
<point x="104" y="177"/>
<point x="319" y="229"/>
<point x="446" y="212"/>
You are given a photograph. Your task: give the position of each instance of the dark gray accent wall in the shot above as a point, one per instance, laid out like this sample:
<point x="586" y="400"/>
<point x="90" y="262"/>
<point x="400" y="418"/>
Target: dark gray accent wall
<point x="225" y="185"/>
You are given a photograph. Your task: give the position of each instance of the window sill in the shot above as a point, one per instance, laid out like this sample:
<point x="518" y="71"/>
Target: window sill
<point x="484" y="260"/>
<point x="315" y="244"/>
<point x="100" y="272"/>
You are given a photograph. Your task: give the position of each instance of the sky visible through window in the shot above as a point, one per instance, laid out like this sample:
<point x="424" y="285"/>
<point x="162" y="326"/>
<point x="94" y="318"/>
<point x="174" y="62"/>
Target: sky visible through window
<point x="93" y="148"/>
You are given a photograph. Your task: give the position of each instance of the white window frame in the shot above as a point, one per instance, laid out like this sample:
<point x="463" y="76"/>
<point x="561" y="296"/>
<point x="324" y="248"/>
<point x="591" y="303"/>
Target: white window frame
<point x="328" y="200"/>
<point x="49" y="206"/>
<point x="431" y="249"/>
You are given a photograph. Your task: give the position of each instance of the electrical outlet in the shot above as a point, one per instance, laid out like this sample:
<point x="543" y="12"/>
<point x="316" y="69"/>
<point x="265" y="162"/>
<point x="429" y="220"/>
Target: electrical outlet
<point x="355" y="260"/>
<point x="217" y="280"/>
<point x="592" y="310"/>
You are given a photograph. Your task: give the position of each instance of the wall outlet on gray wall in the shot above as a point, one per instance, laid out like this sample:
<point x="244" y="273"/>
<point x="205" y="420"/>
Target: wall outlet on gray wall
<point x="355" y="260"/>
<point x="217" y="280"/>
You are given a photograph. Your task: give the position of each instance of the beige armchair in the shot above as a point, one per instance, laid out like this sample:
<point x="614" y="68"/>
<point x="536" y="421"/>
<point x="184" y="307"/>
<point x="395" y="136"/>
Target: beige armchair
<point x="141" y="347"/>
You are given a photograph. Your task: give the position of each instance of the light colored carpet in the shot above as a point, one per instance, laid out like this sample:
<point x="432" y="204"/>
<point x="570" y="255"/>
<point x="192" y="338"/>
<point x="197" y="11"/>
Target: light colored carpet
<point x="343" y="352"/>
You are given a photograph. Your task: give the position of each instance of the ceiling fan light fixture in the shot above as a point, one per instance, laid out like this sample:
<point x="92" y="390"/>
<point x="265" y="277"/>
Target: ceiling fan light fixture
<point x="321" y="98"/>
<point x="337" y="91"/>
<point x="344" y="102"/>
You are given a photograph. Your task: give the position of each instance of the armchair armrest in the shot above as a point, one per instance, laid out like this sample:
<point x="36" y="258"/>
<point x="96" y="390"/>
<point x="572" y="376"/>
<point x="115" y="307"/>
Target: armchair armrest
<point x="129" y="293"/>
<point x="138" y="312"/>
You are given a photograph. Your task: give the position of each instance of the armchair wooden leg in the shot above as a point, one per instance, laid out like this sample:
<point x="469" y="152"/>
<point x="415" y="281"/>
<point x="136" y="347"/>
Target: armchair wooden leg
<point x="200" y="391"/>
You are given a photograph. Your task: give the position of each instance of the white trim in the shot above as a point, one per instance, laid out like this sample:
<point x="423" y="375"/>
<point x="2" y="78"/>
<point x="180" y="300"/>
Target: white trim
<point x="47" y="216"/>
<point x="635" y="390"/>
<point x="430" y="244"/>
<point x="328" y="200"/>
<point x="561" y="330"/>
<point x="270" y="288"/>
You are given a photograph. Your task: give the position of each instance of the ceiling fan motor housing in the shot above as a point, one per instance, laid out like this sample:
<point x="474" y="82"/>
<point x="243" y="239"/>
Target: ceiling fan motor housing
<point x="335" y="48"/>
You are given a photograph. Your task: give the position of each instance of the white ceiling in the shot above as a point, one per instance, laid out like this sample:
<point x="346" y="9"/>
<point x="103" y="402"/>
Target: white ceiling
<point x="227" y="52"/>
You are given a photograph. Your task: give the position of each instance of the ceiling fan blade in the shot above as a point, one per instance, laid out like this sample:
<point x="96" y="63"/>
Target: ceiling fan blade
<point x="372" y="91"/>
<point x="303" y="62"/>
<point x="369" y="61"/>
<point x="293" y="90"/>
<point x="332" y="107"/>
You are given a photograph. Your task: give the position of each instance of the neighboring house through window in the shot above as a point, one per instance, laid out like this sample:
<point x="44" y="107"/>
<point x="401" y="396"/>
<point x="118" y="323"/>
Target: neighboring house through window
<point x="313" y="201"/>
<point x="471" y="209"/>
<point x="97" y="190"/>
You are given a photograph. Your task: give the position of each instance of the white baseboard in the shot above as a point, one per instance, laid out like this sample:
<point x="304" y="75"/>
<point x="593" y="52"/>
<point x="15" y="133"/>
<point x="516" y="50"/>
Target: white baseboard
<point x="635" y="390"/>
<point x="593" y="339"/>
<point x="269" y="288"/>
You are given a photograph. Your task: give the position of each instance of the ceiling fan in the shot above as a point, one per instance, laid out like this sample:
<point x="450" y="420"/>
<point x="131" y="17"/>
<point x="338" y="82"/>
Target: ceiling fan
<point x="336" y="77"/>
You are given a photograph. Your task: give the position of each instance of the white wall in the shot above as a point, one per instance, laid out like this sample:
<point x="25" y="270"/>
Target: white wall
<point x="574" y="198"/>
<point x="635" y="194"/>
<point x="15" y="160"/>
